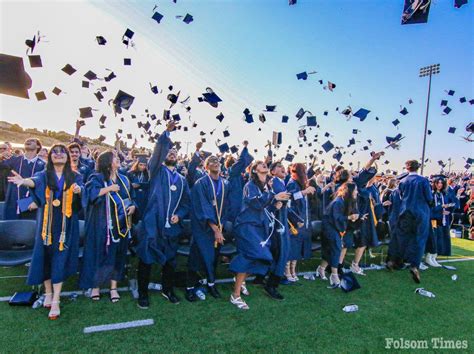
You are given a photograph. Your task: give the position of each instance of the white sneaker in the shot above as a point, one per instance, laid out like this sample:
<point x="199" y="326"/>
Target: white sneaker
<point x="423" y="266"/>
<point x="429" y="260"/>
<point x="241" y="304"/>
<point x="434" y="261"/>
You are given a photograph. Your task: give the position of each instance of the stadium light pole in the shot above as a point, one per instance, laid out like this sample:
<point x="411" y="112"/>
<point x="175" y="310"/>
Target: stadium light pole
<point x="429" y="70"/>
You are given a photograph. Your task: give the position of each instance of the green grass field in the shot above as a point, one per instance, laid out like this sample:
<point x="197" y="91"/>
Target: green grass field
<point x="310" y="319"/>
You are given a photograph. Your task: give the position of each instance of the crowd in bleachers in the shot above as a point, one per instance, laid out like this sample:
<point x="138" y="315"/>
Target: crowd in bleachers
<point x="68" y="202"/>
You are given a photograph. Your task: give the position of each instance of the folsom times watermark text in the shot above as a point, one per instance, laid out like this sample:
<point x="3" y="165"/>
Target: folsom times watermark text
<point x="432" y="343"/>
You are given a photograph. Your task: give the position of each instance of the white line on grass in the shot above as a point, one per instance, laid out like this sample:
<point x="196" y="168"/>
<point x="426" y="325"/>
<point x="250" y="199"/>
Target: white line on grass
<point x="120" y="325"/>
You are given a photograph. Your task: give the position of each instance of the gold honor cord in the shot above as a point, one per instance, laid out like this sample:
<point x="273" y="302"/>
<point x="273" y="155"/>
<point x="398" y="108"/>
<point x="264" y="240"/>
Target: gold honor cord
<point x="218" y="212"/>
<point x="372" y="210"/>
<point x="127" y="220"/>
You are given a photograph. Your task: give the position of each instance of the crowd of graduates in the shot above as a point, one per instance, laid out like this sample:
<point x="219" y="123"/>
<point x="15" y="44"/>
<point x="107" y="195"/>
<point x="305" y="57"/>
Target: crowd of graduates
<point x="269" y="205"/>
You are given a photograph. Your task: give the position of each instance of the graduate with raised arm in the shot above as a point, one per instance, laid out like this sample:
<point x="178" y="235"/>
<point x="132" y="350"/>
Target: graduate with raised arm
<point x="110" y="206"/>
<point x="236" y="181"/>
<point x="168" y="204"/>
<point x="209" y="212"/>
<point x="367" y="237"/>
<point x="299" y="216"/>
<point x="19" y="203"/>
<point x="194" y="170"/>
<point x="414" y="220"/>
<point x="254" y="227"/>
<point x="56" y="252"/>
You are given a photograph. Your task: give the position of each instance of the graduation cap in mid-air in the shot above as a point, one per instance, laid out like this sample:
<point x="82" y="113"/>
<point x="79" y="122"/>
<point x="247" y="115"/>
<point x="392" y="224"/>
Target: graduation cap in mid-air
<point x="447" y="110"/>
<point x="459" y="3"/>
<point x="331" y="86"/>
<point x="289" y="157"/>
<point x="311" y="121"/>
<point x="450" y="92"/>
<point x="404" y="111"/>
<point x="248" y="116"/>
<point x="40" y="96"/>
<point x="220" y="117"/>
<point x="392" y="141"/>
<point x="284" y="119"/>
<point x="57" y="91"/>
<point x="327" y="146"/>
<point x="361" y="114"/>
<point x="415" y="11"/>
<point x="188" y="19"/>
<point x="269" y="108"/>
<point x="127" y="36"/>
<point x="210" y="97"/>
<point x="122" y="100"/>
<point x="223" y="148"/>
<point x="85" y="112"/>
<point x="292" y="2"/>
<point x="90" y="75"/>
<point x="277" y="138"/>
<point x="444" y="103"/>
<point x="452" y="130"/>
<point x="127" y="61"/>
<point x="14" y="81"/>
<point x="157" y="17"/>
<point x="462" y="100"/>
<point x="68" y="69"/>
<point x="100" y="40"/>
<point x="35" y="61"/>
<point x="302" y="76"/>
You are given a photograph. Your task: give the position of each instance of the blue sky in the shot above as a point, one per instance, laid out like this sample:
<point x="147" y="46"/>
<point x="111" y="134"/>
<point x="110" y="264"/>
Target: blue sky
<point x="250" y="51"/>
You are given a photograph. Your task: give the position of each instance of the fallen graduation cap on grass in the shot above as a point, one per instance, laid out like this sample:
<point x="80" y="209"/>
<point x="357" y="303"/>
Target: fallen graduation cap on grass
<point x="14" y="81"/>
<point x="415" y="12"/>
<point x="349" y="282"/>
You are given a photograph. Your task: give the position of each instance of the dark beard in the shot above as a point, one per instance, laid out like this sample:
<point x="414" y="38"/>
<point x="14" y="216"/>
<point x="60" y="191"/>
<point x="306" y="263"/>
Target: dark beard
<point x="171" y="163"/>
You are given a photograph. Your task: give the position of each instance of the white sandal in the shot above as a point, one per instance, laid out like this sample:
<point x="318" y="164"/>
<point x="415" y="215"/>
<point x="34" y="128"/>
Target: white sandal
<point x="54" y="314"/>
<point x="241" y="304"/>
<point x="244" y="290"/>
<point x="46" y="305"/>
<point x="321" y="273"/>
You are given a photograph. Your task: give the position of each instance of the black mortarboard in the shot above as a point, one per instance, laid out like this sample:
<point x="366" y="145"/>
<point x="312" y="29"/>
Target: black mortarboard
<point x="157" y="17"/>
<point x="396" y="122"/>
<point x="451" y="92"/>
<point x="284" y="119"/>
<point x="410" y="101"/>
<point x="188" y="19"/>
<point x="57" y="91"/>
<point x="248" y="116"/>
<point x="325" y="113"/>
<point x="99" y="96"/>
<point x="85" y="84"/>
<point x="337" y="156"/>
<point x="404" y="111"/>
<point x="261" y="117"/>
<point x="101" y="40"/>
<point x="302" y="76"/>
<point x="40" y="96"/>
<point x="471" y="101"/>
<point x="292" y="2"/>
<point x="300" y="113"/>
<point x="110" y="77"/>
<point x="352" y="141"/>
<point x="68" y="69"/>
<point x="270" y="108"/>
<point x="361" y="114"/>
<point x="470" y="160"/>
<point x="85" y="112"/>
<point x="347" y="111"/>
<point x="154" y="89"/>
<point x="447" y="110"/>
<point x="444" y="102"/>
<point x="122" y="100"/>
<point x="327" y="134"/>
<point x="127" y="61"/>
<point x="311" y="121"/>
<point x="452" y="130"/>
<point x="355" y="131"/>
<point x="128" y="33"/>
<point x="234" y="149"/>
<point x="415" y="12"/>
<point x="90" y="75"/>
<point x="220" y="117"/>
<point x="14" y="81"/>
<point x="327" y="146"/>
<point x="210" y="97"/>
<point x="470" y="127"/>
<point x="35" y="61"/>
<point x="226" y="133"/>
<point x="224" y="148"/>
<point x="146" y="126"/>
<point x="102" y="119"/>
<point x="129" y="136"/>
<point x="459" y="3"/>
<point x="395" y="139"/>
<point x="277" y="138"/>
<point x="166" y="114"/>
<point x="31" y="43"/>
<point x="462" y="99"/>
<point x="176" y="117"/>
<point x="289" y="157"/>
<point x="429" y="132"/>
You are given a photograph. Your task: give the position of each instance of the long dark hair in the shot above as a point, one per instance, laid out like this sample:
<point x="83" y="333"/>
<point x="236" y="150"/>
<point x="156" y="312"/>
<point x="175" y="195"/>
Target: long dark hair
<point x="68" y="173"/>
<point x="104" y="164"/>
<point x="346" y="192"/>
<point x="298" y="173"/>
<point x="254" y="175"/>
<point x="435" y="182"/>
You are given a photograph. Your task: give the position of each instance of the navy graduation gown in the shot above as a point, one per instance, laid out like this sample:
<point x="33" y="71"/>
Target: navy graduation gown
<point x="439" y="240"/>
<point x="203" y="254"/>
<point x="299" y="212"/>
<point x="334" y="223"/>
<point x="84" y="169"/>
<point x="280" y="241"/>
<point x="48" y="262"/>
<point x="237" y="182"/>
<point x="142" y="191"/>
<point x="158" y="243"/>
<point x="194" y="173"/>
<point x="26" y="170"/>
<point x="368" y="232"/>
<point x="394" y="250"/>
<point x="102" y="262"/>
<point x="414" y="219"/>
<point x="252" y="227"/>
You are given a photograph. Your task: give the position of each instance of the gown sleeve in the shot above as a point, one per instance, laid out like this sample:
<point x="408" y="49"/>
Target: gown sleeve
<point x="160" y="151"/>
<point x="203" y="210"/>
<point x="256" y="200"/>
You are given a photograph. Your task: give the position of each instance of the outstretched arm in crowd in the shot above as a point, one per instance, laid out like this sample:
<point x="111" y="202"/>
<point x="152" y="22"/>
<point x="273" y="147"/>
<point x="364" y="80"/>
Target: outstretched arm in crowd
<point x="162" y="146"/>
